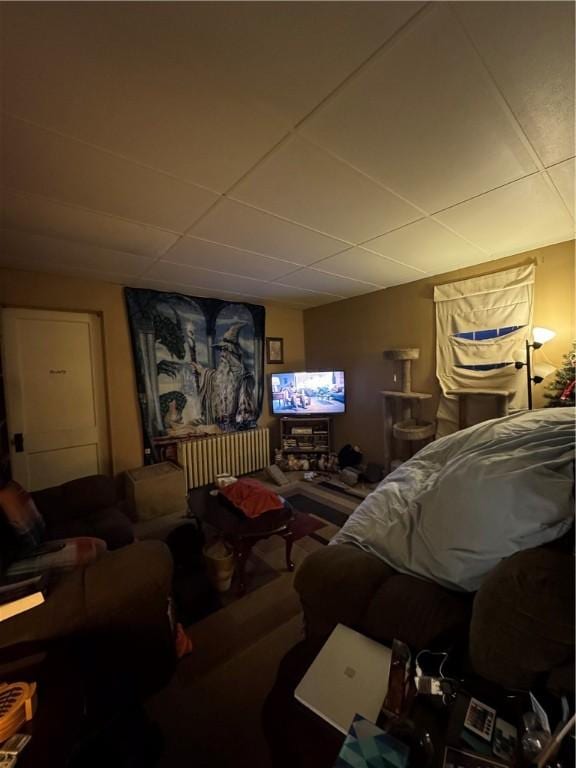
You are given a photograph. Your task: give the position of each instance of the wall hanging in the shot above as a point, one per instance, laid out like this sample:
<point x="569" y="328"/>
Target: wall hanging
<point x="199" y="365"/>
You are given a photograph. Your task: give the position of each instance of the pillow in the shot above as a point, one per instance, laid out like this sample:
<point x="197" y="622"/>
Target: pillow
<point x="251" y="497"/>
<point x="22" y="516"/>
<point x="62" y="555"/>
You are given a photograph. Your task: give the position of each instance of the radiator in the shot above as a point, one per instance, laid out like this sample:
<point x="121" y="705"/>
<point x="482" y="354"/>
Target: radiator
<point x="235" y="452"/>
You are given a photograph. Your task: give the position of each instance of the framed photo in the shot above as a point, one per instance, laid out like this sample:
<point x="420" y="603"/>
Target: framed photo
<point x="274" y="350"/>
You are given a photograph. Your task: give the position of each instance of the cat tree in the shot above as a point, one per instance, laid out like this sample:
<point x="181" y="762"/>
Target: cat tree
<point x="402" y="418"/>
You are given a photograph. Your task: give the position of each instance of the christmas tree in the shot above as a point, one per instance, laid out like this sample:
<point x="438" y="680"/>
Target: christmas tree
<point x="561" y="390"/>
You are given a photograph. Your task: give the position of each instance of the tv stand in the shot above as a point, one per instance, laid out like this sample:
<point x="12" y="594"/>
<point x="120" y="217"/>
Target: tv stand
<point x="305" y="437"/>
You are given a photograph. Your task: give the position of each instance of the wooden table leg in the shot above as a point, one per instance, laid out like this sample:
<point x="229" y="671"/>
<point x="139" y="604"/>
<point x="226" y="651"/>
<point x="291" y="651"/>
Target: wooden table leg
<point x="289" y="539"/>
<point x="242" y="551"/>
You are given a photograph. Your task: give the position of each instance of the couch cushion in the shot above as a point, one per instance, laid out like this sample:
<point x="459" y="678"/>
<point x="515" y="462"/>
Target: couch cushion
<point x="523" y="619"/>
<point x="109" y="524"/>
<point x="418" y="612"/>
<point x="76" y="498"/>
<point x="88" y="494"/>
<point x="336" y="584"/>
<point x="22" y="516"/>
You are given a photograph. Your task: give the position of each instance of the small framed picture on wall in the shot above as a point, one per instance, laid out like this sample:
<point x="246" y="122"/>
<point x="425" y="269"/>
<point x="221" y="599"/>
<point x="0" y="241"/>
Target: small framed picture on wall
<point x="274" y="350"/>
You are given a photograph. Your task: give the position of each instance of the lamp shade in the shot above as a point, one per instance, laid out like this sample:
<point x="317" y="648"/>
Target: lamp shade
<point x="542" y="335"/>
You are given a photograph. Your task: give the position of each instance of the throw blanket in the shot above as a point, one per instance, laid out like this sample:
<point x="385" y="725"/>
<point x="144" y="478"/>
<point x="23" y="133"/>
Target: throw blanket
<point x="251" y="497"/>
<point x="468" y="500"/>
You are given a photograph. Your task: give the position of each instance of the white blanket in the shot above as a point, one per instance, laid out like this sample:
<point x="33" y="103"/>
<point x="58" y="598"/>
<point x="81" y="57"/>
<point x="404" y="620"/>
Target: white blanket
<point x="468" y="500"/>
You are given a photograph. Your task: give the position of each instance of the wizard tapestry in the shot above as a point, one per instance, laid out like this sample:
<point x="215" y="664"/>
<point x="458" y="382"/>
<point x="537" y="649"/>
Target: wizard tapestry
<point x="199" y="365"/>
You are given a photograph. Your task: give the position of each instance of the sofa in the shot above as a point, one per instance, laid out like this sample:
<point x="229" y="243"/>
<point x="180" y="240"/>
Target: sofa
<point x="516" y="631"/>
<point x="88" y="506"/>
<point x="114" y="608"/>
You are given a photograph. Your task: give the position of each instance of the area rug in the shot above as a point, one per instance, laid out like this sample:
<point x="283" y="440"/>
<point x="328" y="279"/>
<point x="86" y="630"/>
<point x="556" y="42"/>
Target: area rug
<point x="343" y="491"/>
<point x="310" y="506"/>
<point x="314" y="525"/>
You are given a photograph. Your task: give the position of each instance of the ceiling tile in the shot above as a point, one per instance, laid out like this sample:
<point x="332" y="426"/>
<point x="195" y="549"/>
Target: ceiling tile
<point x="519" y="217"/>
<point x="201" y="253"/>
<point x="44" y="267"/>
<point x="423" y="119"/>
<point x="563" y="177"/>
<point x="176" y="287"/>
<point x="361" y="264"/>
<point x="294" y="298"/>
<point x="189" y="277"/>
<point x="302" y="183"/>
<point x="315" y="280"/>
<point x="244" y="227"/>
<point x="44" y="163"/>
<point x="293" y="294"/>
<point x="529" y="49"/>
<point x="42" y="216"/>
<point x="201" y="90"/>
<point x="202" y="278"/>
<point x="428" y="246"/>
<point x="50" y="250"/>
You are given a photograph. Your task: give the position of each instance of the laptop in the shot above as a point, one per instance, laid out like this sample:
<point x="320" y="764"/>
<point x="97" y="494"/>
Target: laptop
<point x="348" y="677"/>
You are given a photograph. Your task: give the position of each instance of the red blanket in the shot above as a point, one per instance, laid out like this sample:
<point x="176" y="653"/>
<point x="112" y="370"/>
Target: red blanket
<point x="251" y="497"/>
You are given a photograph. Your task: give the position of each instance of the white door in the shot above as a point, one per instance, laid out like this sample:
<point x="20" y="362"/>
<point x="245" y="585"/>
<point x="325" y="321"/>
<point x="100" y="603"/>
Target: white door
<point x="55" y="396"/>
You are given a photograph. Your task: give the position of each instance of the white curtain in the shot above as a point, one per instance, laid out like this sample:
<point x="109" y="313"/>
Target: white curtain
<point x="494" y="303"/>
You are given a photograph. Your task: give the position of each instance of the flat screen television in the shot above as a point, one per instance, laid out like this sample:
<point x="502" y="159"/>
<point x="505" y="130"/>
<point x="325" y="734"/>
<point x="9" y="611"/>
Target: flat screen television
<point x="308" y="393"/>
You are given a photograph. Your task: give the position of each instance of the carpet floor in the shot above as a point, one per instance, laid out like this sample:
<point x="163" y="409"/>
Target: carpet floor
<point x="212" y="720"/>
<point x="210" y="712"/>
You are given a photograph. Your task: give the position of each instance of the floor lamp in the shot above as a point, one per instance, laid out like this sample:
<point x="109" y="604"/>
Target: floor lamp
<point x="539" y="337"/>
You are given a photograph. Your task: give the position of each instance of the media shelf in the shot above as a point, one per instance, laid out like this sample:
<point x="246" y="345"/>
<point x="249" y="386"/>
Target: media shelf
<point x="305" y="435"/>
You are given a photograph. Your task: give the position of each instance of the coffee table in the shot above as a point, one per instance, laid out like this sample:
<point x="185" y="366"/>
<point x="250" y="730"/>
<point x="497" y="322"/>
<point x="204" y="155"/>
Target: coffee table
<point x="242" y="532"/>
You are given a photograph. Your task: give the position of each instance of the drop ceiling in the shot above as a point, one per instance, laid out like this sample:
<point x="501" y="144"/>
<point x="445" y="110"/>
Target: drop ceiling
<point x="293" y="153"/>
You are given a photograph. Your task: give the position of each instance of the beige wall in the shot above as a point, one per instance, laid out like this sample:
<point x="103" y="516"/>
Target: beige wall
<point x="47" y="291"/>
<point x="351" y="335"/>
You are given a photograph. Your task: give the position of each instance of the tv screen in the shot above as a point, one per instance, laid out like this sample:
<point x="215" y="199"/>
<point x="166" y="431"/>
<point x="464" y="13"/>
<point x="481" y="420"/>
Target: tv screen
<point x="308" y="393"/>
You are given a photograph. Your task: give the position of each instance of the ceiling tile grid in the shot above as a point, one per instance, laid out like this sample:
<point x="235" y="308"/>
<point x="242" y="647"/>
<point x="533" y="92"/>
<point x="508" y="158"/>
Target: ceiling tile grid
<point x="235" y="224"/>
<point x="218" y="86"/>
<point x="529" y="49"/>
<point x="42" y="162"/>
<point x="43" y="250"/>
<point x="563" y="177"/>
<point x="202" y="253"/>
<point x="444" y="250"/>
<point x="423" y="119"/>
<point x="44" y="216"/>
<point x="502" y="220"/>
<point x="296" y="152"/>
<point x="362" y="264"/>
<point x="302" y="183"/>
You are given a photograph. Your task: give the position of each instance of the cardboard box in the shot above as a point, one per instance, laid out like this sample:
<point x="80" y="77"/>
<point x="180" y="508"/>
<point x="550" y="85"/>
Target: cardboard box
<point x="156" y="490"/>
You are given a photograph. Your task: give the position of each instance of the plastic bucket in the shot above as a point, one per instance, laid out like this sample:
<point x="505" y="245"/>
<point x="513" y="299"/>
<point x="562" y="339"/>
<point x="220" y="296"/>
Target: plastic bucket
<point x="219" y="559"/>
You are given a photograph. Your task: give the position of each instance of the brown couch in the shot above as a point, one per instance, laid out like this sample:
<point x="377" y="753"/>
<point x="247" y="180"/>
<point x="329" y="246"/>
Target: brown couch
<point x="114" y="609"/>
<point x="518" y="629"/>
<point x="89" y="506"/>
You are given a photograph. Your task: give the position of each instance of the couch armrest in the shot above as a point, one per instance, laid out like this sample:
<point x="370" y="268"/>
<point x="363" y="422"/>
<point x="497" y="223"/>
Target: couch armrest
<point x="114" y="612"/>
<point x="336" y="585"/>
<point x="522" y="627"/>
